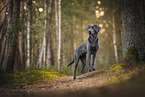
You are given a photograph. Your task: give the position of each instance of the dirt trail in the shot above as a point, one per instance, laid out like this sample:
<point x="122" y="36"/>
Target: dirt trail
<point x="86" y="80"/>
<point x="90" y="79"/>
<point x="86" y="85"/>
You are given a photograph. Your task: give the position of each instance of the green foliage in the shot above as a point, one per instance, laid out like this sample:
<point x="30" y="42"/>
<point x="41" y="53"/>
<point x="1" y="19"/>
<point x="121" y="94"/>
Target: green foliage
<point x="117" y="67"/>
<point x="19" y="78"/>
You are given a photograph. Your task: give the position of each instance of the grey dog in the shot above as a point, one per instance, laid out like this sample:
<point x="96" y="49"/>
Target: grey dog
<point x="90" y="46"/>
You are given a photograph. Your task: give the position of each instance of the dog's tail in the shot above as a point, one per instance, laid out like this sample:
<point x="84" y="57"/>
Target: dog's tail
<point x="71" y="62"/>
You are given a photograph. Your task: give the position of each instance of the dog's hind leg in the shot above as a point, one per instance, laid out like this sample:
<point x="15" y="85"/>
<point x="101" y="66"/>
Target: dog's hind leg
<point x="75" y="67"/>
<point x="83" y="60"/>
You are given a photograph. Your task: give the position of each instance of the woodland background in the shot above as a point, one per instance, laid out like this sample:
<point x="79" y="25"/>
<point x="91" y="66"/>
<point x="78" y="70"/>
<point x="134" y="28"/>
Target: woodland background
<point x="43" y="34"/>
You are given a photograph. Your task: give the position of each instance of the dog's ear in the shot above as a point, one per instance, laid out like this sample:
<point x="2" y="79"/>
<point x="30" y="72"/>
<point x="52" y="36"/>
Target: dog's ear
<point x="97" y="28"/>
<point x="88" y="28"/>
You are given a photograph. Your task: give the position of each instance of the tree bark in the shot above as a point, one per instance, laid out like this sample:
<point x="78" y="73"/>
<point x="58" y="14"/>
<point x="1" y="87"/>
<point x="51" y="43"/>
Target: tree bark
<point x="28" y="34"/>
<point x="59" y="44"/>
<point x="49" y="60"/>
<point x="45" y="31"/>
<point x="13" y="37"/>
<point x="21" y="37"/>
<point x="133" y="25"/>
<point x="2" y="13"/>
<point x="114" y="38"/>
<point x="43" y="49"/>
<point x="2" y="31"/>
<point x="56" y="27"/>
<point x="3" y="46"/>
<point x="56" y="19"/>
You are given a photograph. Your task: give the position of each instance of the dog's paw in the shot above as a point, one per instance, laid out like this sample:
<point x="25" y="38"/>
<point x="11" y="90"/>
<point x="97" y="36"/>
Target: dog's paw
<point x="90" y="70"/>
<point x="74" y="78"/>
<point x="93" y="69"/>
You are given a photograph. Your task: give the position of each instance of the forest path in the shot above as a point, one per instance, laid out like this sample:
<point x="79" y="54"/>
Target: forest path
<point x="91" y="79"/>
<point x="90" y="84"/>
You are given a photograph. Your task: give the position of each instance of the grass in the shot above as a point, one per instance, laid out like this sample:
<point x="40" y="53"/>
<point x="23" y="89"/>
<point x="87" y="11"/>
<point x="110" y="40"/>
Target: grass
<point x="20" y="78"/>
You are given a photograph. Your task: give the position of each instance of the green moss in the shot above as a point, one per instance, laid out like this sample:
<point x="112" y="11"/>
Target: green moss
<point x="118" y="72"/>
<point x="117" y="67"/>
<point x="132" y="54"/>
<point x="19" y="78"/>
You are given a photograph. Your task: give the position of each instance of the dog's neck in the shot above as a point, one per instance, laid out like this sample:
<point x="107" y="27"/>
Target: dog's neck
<point x="92" y="39"/>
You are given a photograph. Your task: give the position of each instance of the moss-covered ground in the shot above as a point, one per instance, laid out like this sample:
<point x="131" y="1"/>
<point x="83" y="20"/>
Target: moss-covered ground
<point x="21" y="78"/>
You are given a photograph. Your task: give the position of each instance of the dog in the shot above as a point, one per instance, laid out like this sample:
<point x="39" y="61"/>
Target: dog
<point x="90" y="46"/>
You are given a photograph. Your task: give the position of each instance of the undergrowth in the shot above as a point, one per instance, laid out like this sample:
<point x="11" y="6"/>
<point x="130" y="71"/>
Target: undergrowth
<point x="20" y="78"/>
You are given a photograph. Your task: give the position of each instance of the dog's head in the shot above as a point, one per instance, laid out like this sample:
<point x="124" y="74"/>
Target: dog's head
<point x="93" y="29"/>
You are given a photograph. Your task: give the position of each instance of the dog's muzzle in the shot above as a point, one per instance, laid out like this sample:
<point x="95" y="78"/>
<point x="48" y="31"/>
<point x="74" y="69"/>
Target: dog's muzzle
<point x="92" y="31"/>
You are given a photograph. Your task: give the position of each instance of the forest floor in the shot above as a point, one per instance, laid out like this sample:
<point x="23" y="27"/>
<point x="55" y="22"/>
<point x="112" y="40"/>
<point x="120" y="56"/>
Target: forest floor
<point x="92" y="84"/>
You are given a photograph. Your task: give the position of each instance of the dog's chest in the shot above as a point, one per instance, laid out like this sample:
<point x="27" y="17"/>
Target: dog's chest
<point x="93" y="49"/>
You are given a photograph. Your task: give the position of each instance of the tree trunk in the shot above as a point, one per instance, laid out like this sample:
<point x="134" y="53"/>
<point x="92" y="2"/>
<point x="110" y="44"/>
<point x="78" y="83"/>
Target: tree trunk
<point x="2" y="30"/>
<point x="114" y="38"/>
<point x="44" y="37"/>
<point x="59" y="44"/>
<point x="13" y="37"/>
<point x="122" y="41"/>
<point x="2" y="13"/>
<point x="9" y="30"/>
<point x="133" y="25"/>
<point x="39" y="63"/>
<point x="56" y="22"/>
<point x="28" y="34"/>
<point x="43" y="49"/>
<point x="49" y="60"/>
<point x="3" y="46"/>
<point x="21" y="37"/>
<point x="56" y="19"/>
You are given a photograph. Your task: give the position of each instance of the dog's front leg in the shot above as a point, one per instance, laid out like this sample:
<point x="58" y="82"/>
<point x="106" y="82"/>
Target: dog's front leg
<point x="94" y="56"/>
<point x="89" y="61"/>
